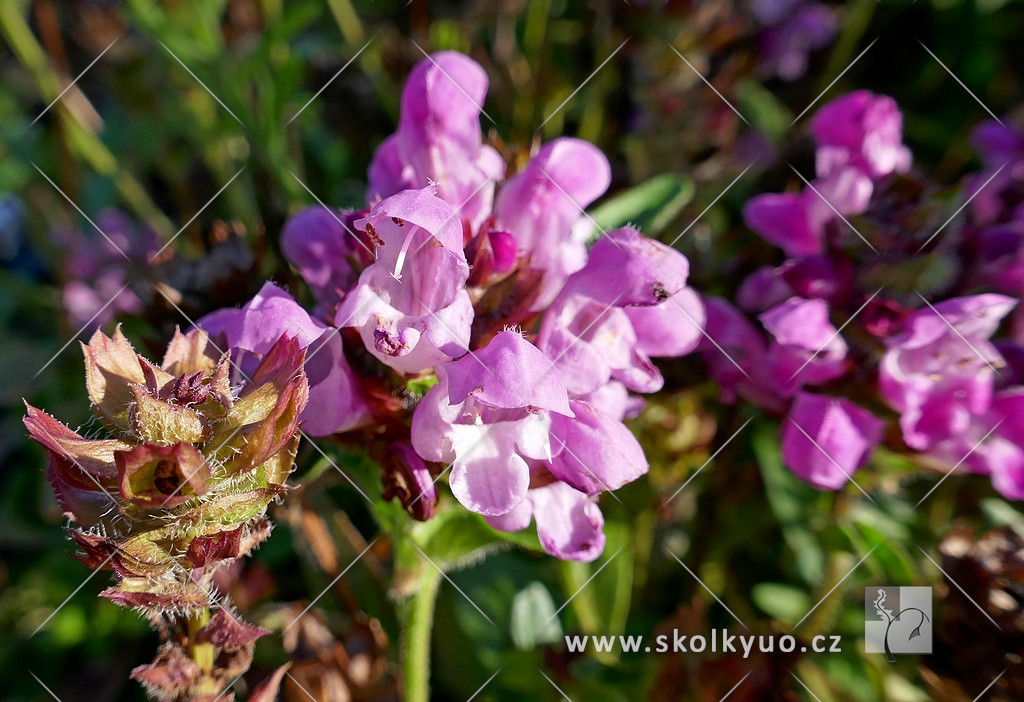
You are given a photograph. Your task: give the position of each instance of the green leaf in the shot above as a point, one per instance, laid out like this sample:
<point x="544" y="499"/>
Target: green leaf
<point x="651" y="206"/>
<point x="228" y="509"/>
<point x="533" y="618"/>
<point x="1002" y="513"/>
<point x="792" y="502"/>
<point x="455" y="537"/>
<point x="783" y="602"/>
<point x="453" y="540"/>
<point x="418" y="387"/>
<point x="763" y="109"/>
<point x="602" y="599"/>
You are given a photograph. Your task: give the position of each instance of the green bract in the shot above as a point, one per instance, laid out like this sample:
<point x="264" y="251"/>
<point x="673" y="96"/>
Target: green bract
<point x="180" y="487"/>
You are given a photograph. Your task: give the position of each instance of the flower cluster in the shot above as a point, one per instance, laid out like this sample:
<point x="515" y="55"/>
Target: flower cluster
<point x="481" y="288"/>
<point x="934" y="364"/>
<point x="791" y="30"/>
<point x="940" y="373"/>
<point x="100" y="269"/>
<point x="859" y="138"/>
<point x="178" y="490"/>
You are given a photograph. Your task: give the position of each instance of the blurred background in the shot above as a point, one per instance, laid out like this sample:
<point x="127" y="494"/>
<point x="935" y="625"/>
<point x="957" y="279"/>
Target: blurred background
<point x="189" y="130"/>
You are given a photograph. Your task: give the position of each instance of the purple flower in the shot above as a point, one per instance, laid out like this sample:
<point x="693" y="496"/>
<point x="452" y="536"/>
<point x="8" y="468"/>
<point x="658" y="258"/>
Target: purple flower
<point x="762" y="289"/>
<point x="490" y="254"/>
<point x="411" y="306"/>
<point x="670" y="328"/>
<point x="807" y="348"/>
<point x="569" y="522"/>
<point x="96" y="268"/>
<point x="791" y="36"/>
<point x="613" y="400"/>
<point x="407" y="477"/>
<point x="1000" y="256"/>
<point x="542" y="208"/>
<point x="439" y="140"/>
<point x="774" y="11"/>
<point x="735" y="353"/>
<point x="592" y="343"/>
<point x="1013" y="355"/>
<point x="988" y="442"/>
<point x="626" y="268"/>
<point x="994" y="198"/>
<point x="593" y="451"/>
<point x="942" y="357"/>
<point x="846" y="188"/>
<point x="862" y="130"/>
<point x="816" y="276"/>
<point x="1002" y="454"/>
<point x="489" y="414"/>
<point x="939" y="373"/>
<point x="322" y="246"/>
<point x="883" y="318"/>
<point x="806" y="276"/>
<point x="629" y="302"/>
<point x="86" y="301"/>
<point x="794" y="222"/>
<point x="826" y="439"/>
<point x="997" y="144"/>
<point x="733" y="345"/>
<point x="336" y="403"/>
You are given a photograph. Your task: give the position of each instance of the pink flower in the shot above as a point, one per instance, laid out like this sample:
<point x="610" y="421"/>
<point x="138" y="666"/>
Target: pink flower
<point x="569" y="522"/>
<point x="336" y="403"/>
<point x="863" y="130"/>
<point x="805" y="276"/>
<point x="792" y="221"/>
<point x="989" y="443"/>
<point x="98" y="266"/>
<point x="792" y="33"/>
<point x="629" y="302"/>
<point x="593" y="451"/>
<point x="322" y="246"/>
<point x="997" y="144"/>
<point x="735" y="355"/>
<point x="411" y="306"/>
<point x="807" y="348"/>
<point x="489" y="414"/>
<point x="762" y="289"/>
<point x="542" y="208"/>
<point x="939" y="373"/>
<point x="439" y="140"/>
<point x="943" y="355"/>
<point x="826" y="439"/>
<point x="795" y="222"/>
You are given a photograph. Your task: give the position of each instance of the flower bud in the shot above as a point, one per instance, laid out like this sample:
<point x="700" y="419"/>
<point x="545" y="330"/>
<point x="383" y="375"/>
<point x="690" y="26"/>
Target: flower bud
<point x="407" y="477"/>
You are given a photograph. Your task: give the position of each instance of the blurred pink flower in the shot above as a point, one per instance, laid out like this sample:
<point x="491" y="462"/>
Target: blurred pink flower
<point x="826" y="439"/>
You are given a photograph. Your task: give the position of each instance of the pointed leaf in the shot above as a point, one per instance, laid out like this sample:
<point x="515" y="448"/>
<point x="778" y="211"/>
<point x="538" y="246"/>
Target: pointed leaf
<point x="151" y="475"/>
<point x="111" y="368"/>
<point x="650" y="206"/>
<point x="159" y="422"/>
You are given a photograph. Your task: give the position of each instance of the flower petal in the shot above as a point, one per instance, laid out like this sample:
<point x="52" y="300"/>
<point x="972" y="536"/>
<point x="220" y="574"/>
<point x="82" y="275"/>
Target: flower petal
<point x="594" y="452"/>
<point x="509" y="372"/>
<point x="569" y="523"/>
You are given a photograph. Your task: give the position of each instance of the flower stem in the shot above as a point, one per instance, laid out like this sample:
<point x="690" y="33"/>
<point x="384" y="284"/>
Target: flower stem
<point x="418" y="628"/>
<point x="202" y="653"/>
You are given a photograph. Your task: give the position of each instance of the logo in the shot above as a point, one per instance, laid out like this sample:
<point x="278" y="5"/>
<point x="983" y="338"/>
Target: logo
<point x="897" y="620"/>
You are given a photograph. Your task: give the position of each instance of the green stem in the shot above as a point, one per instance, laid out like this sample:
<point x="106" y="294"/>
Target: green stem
<point x="203" y="654"/>
<point x="416" y="647"/>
